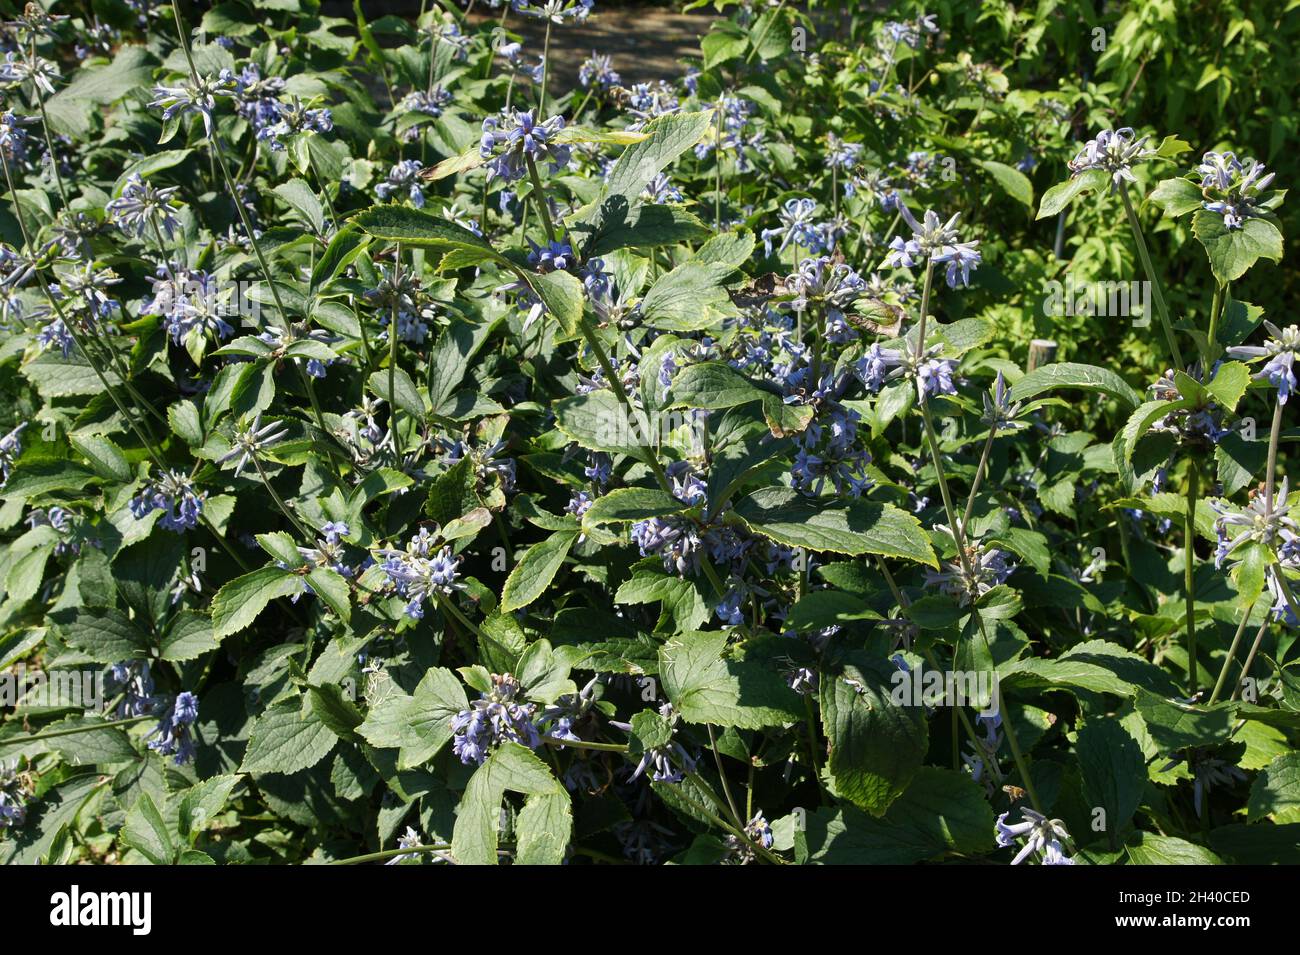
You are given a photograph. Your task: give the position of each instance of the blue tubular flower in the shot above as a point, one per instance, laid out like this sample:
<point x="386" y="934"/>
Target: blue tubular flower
<point x="418" y="573"/>
<point x="934" y="241"/>
<point x="557" y="11"/>
<point x="877" y="366"/>
<point x="1233" y="188"/>
<point x="647" y="101"/>
<point x="11" y="445"/>
<point x="188" y="98"/>
<point x="1044" y="836"/>
<point x="133" y="680"/>
<point x="598" y="69"/>
<point x="191" y="302"/>
<point x="989" y="567"/>
<point x="1262" y="521"/>
<point x="13" y="138"/>
<point x="13" y="799"/>
<point x="141" y="206"/>
<point x="335" y="531"/>
<point x="674" y="539"/>
<point x="934" y="378"/>
<point x="496" y="717"/>
<point x="174" y="730"/>
<point x="999" y="413"/>
<point x="668" y="763"/>
<point x="842" y="155"/>
<point x="173" y="493"/>
<point x="797" y="227"/>
<point x="552" y="257"/>
<point x="1280" y="350"/>
<point x="405" y="176"/>
<point x="514" y="137"/>
<point x="1114" y="152"/>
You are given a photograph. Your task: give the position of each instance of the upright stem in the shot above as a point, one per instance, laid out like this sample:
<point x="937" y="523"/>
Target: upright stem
<point x="1250" y="658"/>
<point x="722" y="775"/>
<point x="546" y="67"/>
<point x="925" y="310"/>
<point x="1189" y="574"/>
<point x="979" y="476"/>
<point x="279" y="502"/>
<point x="539" y="199"/>
<point x="1161" y="307"/>
<point x="1231" y="655"/>
<point x="45" y="127"/>
<point x="392" y="360"/>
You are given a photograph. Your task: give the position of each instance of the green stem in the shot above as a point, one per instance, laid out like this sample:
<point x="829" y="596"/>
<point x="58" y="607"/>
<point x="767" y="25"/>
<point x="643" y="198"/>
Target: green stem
<point x="1189" y="575"/>
<point x="616" y="385"/>
<point x="722" y="775"/>
<point x="390" y="854"/>
<point x="1250" y="659"/>
<point x="284" y="509"/>
<point x="55" y="734"/>
<point x="539" y="199"/>
<point x="979" y="476"/>
<point x="1231" y="656"/>
<point x="1161" y="307"/>
<point x="546" y="67"/>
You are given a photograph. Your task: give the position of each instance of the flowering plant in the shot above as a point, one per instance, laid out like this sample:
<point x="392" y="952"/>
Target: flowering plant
<point x="423" y="464"/>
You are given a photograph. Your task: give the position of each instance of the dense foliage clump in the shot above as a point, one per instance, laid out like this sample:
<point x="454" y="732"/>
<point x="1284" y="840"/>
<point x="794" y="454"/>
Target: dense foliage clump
<point x="865" y="448"/>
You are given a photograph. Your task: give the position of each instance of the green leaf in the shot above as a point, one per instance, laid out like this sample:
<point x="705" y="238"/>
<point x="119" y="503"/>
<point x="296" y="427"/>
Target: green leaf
<point x="666" y="138"/>
<point x="1059" y="197"/>
<point x="941" y="811"/>
<point x="1229" y="384"/>
<point x="299" y="197"/>
<point x="1042" y="673"/>
<point x="331" y="588"/>
<point x="689" y="298"/>
<point x="1275" y="793"/>
<point x="189" y="636"/>
<point x="534" y="573"/>
<point x="183" y="418"/>
<point x="544" y="826"/>
<point x="284" y="740"/>
<point x="146" y="833"/>
<point x="1176" y="197"/>
<point x="1233" y="251"/>
<point x="599" y="422"/>
<point x="203" y="802"/>
<point x="106" y="458"/>
<point x="712" y="385"/>
<point x="407" y="396"/>
<point x="1071" y="375"/>
<point x="706" y="686"/>
<point x="1013" y="182"/>
<point x="626" y="504"/>
<point x="103" y="634"/>
<point x="238" y="603"/>
<point x="842" y="526"/>
<point x="1138" y="424"/>
<point x="649" y="227"/>
<point x="422" y="230"/>
<point x="1113" y="770"/>
<point x="876" y="745"/>
<point x="1175" y="725"/>
<point x="335" y="710"/>
<point x="561" y="293"/>
<point x="1150" y="849"/>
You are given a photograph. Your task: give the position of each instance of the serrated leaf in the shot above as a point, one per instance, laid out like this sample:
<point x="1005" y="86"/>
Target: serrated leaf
<point x="842" y="526"/>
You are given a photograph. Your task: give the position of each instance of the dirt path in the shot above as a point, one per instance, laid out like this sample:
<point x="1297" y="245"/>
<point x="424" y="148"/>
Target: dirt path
<point x="646" y="43"/>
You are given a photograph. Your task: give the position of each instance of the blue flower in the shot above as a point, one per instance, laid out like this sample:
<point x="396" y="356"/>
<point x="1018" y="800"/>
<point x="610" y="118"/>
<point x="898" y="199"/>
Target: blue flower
<point x="175" y="730"/>
<point x="496" y="717"/>
<point x="514" y="137"/>
<point x="173" y="493"/>
<point x="1042" y="835"/>
<point x="405" y="175"/>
